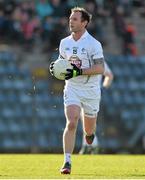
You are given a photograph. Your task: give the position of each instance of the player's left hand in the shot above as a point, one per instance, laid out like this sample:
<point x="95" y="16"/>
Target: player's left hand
<point x="73" y="72"/>
<point x="51" y="67"/>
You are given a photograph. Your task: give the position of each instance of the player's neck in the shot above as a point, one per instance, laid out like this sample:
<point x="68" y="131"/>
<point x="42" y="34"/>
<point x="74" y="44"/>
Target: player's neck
<point x="77" y="35"/>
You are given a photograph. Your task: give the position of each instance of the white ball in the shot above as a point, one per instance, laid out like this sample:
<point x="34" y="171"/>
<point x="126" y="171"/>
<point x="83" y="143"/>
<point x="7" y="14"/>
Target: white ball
<point x="59" y="68"/>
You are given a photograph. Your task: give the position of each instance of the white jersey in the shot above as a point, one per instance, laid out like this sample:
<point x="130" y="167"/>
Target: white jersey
<point x="82" y="53"/>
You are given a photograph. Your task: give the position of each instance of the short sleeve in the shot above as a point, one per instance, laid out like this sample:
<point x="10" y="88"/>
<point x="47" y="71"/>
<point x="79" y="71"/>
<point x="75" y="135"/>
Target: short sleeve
<point x="61" y="50"/>
<point x="97" y="50"/>
<point x="107" y="68"/>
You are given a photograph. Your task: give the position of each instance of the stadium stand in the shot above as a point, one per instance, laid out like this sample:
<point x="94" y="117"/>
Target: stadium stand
<point x="32" y="117"/>
<point x="126" y="96"/>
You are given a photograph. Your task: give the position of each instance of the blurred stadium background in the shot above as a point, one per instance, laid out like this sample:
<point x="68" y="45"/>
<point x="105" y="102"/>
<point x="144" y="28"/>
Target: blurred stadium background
<point x="31" y="105"/>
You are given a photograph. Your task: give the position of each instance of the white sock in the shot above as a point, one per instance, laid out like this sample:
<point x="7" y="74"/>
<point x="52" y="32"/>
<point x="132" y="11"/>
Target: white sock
<point x="67" y="157"/>
<point x="95" y="142"/>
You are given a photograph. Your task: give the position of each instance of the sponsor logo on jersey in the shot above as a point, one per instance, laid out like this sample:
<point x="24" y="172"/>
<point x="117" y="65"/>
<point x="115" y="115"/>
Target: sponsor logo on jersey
<point x="75" y="60"/>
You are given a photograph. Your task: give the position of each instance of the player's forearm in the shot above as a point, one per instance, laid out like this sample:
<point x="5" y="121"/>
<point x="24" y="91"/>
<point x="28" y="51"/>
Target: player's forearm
<point x="95" y="69"/>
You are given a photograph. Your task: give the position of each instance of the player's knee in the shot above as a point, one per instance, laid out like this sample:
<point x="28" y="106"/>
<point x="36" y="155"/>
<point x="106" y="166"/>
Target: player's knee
<point x="71" y="126"/>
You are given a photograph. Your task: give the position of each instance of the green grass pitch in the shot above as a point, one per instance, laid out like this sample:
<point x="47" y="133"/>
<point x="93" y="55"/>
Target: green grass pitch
<point x="45" y="166"/>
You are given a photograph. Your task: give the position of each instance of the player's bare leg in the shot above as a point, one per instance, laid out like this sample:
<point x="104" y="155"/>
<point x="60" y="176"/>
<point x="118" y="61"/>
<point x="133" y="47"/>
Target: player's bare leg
<point x="89" y="126"/>
<point x="72" y="114"/>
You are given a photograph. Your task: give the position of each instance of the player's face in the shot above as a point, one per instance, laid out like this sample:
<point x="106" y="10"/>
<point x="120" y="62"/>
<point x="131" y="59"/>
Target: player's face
<point x="75" y="22"/>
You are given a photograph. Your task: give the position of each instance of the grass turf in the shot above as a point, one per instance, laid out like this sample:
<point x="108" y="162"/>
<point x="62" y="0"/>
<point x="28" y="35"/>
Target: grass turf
<point x="42" y="166"/>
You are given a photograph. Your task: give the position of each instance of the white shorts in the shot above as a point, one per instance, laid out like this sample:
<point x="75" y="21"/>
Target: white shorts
<point x="87" y="99"/>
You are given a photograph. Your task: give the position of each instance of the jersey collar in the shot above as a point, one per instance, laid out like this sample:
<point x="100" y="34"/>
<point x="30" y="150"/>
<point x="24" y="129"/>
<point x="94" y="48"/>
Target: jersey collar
<point x="82" y="37"/>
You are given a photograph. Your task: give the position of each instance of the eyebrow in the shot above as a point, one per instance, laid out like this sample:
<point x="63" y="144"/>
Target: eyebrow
<point x="73" y="18"/>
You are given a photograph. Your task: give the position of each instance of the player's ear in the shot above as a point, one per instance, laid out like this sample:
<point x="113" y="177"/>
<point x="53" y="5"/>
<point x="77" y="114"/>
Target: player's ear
<point x="85" y="23"/>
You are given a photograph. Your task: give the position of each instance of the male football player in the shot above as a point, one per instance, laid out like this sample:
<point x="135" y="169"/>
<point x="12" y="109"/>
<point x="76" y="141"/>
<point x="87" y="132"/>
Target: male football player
<point x="82" y="86"/>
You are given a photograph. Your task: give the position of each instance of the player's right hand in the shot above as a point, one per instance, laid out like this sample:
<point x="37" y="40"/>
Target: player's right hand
<point x="51" y="68"/>
<point x="73" y="72"/>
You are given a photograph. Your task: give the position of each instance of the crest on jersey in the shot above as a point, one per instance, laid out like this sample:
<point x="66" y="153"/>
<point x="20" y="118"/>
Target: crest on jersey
<point x="83" y="51"/>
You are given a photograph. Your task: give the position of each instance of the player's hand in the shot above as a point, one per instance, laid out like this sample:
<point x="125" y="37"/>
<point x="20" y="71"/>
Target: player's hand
<point x="73" y="72"/>
<point x="51" y="67"/>
<point x="108" y="81"/>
